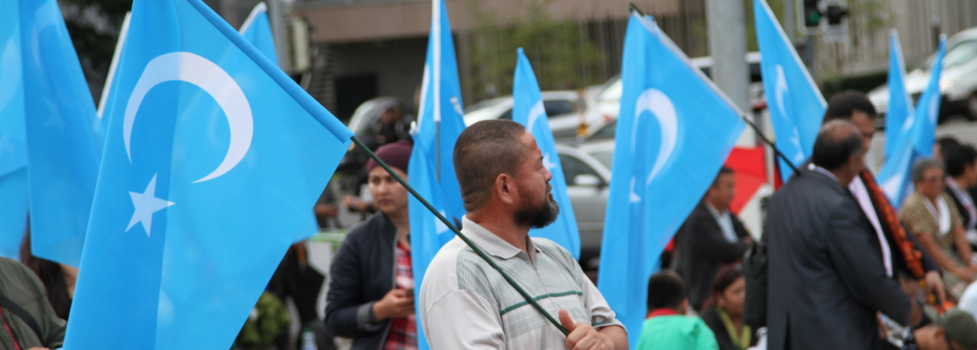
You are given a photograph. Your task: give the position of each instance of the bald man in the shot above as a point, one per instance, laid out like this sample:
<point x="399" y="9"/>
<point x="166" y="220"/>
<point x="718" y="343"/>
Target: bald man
<point x="827" y="279"/>
<point x="464" y="302"/>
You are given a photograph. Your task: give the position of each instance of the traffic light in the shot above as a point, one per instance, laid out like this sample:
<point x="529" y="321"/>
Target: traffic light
<point x="835" y="13"/>
<point x="812" y="13"/>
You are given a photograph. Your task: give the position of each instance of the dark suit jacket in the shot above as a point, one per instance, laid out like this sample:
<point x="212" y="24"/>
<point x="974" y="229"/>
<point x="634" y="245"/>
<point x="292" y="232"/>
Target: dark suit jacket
<point x="964" y="214"/>
<point x="702" y="250"/>
<point x="826" y="279"/>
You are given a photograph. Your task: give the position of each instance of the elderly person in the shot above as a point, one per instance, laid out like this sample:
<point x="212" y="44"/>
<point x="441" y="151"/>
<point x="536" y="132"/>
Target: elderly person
<point x="371" y="295"/>
<point x="827" y="280"/>
<point x="935" y="222"/>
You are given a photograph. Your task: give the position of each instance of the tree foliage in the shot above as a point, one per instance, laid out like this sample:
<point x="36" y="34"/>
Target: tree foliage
<point x="561" y="51"/>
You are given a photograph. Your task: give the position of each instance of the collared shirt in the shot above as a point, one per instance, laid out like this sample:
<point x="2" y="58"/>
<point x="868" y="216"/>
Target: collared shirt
<point x="403" y="330"/>
<point x="858" y="190"/>
<point x="725" y="223"/>
<point x="466" y="304"/>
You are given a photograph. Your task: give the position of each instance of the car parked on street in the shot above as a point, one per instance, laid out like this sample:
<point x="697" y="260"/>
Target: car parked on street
<point x="587" y="185"/>
<point x="608" y="95"/>
<point x="958" y="82"/>
<point x="566" y="109"/>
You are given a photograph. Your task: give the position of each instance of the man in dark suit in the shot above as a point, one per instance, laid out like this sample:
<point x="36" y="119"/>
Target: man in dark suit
<point x="827" y="279"/>
<point x="710" y="237"/>
<point x="961" y="170"/>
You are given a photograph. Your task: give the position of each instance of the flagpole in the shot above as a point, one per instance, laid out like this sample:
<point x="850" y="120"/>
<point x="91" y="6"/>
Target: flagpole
<point x="634" y="8"/>
<point x="467" y="241"/>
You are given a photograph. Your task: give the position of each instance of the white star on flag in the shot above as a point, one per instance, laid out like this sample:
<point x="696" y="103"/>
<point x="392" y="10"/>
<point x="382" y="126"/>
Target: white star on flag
<point x="146" y="204"/>
<point x="547" y="163"/>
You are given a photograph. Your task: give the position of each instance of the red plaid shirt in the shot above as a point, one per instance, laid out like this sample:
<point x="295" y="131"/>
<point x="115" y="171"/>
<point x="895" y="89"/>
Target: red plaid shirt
<point x="403" y="331"/>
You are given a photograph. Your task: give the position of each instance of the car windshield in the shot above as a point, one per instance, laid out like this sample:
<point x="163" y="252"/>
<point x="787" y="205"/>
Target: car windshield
<point x="606" y="132"/>
<point x="962" y="52"/>
<point x="484" y="104"/>
<point x="605" y="157"/>
<point x="612" y="92"/>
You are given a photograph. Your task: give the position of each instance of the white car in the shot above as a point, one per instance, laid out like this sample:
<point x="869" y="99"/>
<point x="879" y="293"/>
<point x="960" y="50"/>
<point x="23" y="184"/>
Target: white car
<point x="608" y="96"/>
<point x="566" y="110"/>
<point x="958" y="83"/>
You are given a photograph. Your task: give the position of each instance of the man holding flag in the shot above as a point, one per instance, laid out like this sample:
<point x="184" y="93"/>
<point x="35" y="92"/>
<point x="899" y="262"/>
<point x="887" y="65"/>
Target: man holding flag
<point x="177" y="254"/>
<point x="464" y="302"/>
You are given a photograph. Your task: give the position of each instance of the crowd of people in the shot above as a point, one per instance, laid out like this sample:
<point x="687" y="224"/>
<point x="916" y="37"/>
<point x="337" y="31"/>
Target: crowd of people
<point x="846" y="269"/>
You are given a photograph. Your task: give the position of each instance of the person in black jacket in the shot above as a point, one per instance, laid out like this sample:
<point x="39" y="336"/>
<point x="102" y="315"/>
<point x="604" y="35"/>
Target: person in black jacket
<point x="370" y="296"/>
<point x="724" y="310"/>
<point x="827" y="280"/>
<point x="961" y="171"/>
<point x="710" y="238"/>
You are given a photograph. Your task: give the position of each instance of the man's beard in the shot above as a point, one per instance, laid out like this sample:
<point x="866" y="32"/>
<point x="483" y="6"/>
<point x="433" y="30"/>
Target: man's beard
<point x="537" y="215"/>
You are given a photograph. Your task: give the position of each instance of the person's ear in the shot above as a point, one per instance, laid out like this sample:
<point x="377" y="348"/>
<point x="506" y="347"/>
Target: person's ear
<point x="683" y="308"/>
<point x="505" y="187"/>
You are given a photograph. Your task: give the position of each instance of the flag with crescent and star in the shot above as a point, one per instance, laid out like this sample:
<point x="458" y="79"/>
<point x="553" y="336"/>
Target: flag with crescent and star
<point x="527" y="109"/>
<point x="13" y="138"/>
<point x="795" y="104"/>
<point x="212" y="160"/>
<point x="679" y="130"/>
<point x="60" y="121"/>
<point x="916" y="138"/>
<point x="431" y="169"/>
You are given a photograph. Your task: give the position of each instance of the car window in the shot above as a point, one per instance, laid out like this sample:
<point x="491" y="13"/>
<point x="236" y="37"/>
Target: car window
<point x="484" y="104"/>
<point x="961" y="53"/>
<point x="507" y="115"/>
<point x="573" y="166"/>
<point x="612" y="93"/>
<point x="606" y="132"/>
<point x="558" y="107"/>
<point x="605" y="157"/>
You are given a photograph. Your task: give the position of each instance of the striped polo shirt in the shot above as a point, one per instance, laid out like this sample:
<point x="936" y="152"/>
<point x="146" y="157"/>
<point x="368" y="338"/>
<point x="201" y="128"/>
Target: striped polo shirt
<point x="466" y="304"/>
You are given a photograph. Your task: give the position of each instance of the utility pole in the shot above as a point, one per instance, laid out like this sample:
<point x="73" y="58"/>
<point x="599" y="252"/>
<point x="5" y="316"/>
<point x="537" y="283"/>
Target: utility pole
<point x="790" y="13"/>
<point x="276" y="17"/>
<point x="727" y="46"/>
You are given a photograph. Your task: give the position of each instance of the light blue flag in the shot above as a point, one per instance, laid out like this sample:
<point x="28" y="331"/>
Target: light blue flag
<point x="109" y="79"/>
<point x="795" y="104"/>
<point x="680" y="129"/>
<point x="430" y="170"/>
<point x="13" y="146"/>
<point x="257" y="31"/>
<point x="527" y="109"/>
<point x="59" y="118"/>
<point x="898" y="118"/>
<point x="917" y="142"/>
<point x="213" y="158"/>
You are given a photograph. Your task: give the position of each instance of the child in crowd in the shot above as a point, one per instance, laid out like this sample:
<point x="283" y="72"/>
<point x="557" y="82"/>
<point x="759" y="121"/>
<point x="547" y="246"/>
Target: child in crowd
<point x="667" y="326"/>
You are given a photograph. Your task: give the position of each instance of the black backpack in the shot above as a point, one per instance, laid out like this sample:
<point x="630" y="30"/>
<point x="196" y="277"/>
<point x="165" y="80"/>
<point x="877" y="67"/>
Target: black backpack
<point x="755" y="272"/>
